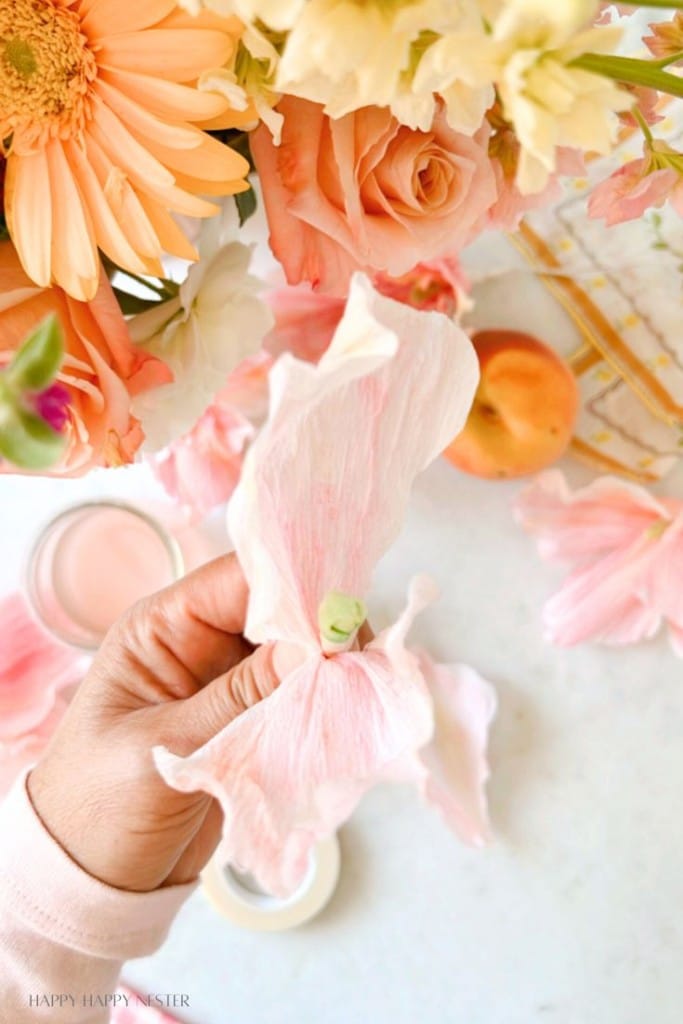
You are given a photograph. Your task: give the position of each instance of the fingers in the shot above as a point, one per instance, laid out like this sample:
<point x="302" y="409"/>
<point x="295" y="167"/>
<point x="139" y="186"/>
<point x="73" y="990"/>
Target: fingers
<point x="216" y="594"/>
<point x="190" y="633"/>
<point x="199" y="718"/>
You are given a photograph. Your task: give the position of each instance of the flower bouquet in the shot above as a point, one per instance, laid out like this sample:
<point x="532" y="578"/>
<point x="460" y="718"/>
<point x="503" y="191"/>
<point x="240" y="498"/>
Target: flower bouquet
<point x="380" y="140"/>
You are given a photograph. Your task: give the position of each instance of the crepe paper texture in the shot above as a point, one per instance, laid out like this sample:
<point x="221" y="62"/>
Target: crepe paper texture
<point x="626" y="549"/>
<point x="322" y="496"/>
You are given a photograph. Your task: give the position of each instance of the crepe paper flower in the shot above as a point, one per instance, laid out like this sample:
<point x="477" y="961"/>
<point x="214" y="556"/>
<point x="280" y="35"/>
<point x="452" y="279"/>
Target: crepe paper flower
<point x="347" y="55"/>
<point x="529" y="56"/>
<point x="667" y="38"/>
<point x="35" y="674"/>
<point x="216" y="320"/>
<point x="322" y="496"/>
<point x="101" y="369"/>
<point x="365" y="192"/>
<point x="626" y="547"/>
<point x="201" y="469"/>
<point x="101" y="121"/>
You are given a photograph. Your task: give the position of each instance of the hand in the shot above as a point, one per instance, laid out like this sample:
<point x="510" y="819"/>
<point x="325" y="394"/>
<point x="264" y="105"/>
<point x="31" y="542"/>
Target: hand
<point x="173" y="671"/>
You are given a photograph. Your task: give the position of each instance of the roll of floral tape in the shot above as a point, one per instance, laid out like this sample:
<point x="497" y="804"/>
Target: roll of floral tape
<point x="238" y="898"/>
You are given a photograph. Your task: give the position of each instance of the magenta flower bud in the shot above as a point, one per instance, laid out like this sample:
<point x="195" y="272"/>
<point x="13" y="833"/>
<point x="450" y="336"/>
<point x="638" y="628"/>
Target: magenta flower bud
<point x="52" y="405"/>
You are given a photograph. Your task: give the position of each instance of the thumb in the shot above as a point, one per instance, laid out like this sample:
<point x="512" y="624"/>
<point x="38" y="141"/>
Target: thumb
<point x="200" y="717"/>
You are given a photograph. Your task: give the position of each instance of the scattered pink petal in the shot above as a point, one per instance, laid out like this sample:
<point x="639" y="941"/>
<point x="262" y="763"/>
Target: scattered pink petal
<point x="33" y="670"/>
<point x="627" y="549"/>
<point x="201" y="469"/>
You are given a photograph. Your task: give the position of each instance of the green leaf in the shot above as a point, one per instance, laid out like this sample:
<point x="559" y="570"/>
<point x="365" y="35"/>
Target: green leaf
<point x="37" y="362"/>
<point x="131" y="304"/>
<point x="246" y="205"/>
<point x="28" y="442"/>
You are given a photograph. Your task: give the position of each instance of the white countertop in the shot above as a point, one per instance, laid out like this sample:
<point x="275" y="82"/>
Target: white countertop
<point x="573" y="916"/>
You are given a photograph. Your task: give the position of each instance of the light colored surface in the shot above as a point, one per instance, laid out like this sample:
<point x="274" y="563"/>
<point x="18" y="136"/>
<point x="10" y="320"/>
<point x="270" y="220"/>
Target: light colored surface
<point x="572" y="917"/>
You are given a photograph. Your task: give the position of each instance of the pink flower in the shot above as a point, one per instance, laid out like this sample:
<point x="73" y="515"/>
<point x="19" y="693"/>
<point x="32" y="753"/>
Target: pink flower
<point x="34" y="671"/>
<point x="631" y="190"/>
<point x="322" y="496"/>
<point x="365" y="192"/>
<point x="627" y="549"/>
<point x="305" y="321"/>
<point x="201" y="469"/>
<point x="439" y="285"/>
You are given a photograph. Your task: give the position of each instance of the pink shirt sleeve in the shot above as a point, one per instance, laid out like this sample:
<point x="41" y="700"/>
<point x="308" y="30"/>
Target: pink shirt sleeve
<point x="62" y="932"/>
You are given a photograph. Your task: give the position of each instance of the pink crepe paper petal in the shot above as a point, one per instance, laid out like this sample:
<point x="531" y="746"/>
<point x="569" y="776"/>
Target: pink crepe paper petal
<point x="570" y="526"/>
<point x="33" y="669"/>
<point x="455" y="761"/>
<point x="452" y="769"/>
<point x="291" y="769"/>
<point x="325" y="486"/>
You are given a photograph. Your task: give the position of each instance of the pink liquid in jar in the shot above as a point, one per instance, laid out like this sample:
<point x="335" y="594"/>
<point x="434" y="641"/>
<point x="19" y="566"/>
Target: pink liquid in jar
<point x="94" y="562"/>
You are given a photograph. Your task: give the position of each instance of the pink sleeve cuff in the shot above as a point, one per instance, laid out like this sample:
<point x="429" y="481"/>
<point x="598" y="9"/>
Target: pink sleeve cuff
<point x="52" y="896"/>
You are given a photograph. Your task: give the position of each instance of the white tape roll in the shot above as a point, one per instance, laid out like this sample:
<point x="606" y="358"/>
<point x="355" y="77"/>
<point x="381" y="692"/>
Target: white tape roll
<point x="238" y="899"/>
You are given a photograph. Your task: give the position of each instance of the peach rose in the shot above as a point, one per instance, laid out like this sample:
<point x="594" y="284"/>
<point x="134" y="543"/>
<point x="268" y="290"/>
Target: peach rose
<point x="102" y="369"/>
<point x="365" y="192"/>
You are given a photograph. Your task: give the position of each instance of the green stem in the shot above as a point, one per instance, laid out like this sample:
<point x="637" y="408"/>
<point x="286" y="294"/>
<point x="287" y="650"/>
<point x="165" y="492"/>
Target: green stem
<point x="667" y="4"/>
<point x="644" y="125"/>
<point x="666" y="61"/>
<point x="631" y="71"/>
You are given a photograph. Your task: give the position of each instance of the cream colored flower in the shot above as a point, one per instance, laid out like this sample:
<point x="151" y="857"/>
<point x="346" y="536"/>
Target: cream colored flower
<point x="528" y="56"/>
<point x="216" y="321"/>
<point x="349" y="55"/>
<point x="276" y="14"/>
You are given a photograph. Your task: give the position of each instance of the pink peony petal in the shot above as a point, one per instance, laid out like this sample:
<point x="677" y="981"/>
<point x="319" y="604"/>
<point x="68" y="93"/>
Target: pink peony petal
<point x="33" y="669"/>
<point x="325" y="485"/>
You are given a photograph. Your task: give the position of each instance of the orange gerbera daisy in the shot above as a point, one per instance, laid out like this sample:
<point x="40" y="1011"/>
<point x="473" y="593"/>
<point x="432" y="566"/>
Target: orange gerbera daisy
<point x="101" y="122"/>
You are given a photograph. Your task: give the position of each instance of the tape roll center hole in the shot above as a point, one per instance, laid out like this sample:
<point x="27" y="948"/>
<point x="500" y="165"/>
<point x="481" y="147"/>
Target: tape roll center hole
<point x="250" y="890"/>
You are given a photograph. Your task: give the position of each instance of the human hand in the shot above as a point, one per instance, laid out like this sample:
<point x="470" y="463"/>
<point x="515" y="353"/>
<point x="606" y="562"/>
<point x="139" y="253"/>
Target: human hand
<point x="172" y="672"/>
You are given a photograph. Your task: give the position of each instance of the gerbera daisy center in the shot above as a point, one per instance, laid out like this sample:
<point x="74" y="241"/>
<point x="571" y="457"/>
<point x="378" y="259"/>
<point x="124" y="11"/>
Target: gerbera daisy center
<point x="46" y="67"/>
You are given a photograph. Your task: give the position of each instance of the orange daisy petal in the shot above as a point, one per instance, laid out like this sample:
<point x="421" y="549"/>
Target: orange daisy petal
<point x="28" y="209"/>
<point x="125" y="205"/>
<point x="110" y="17"/>
<point x="177" y="56"/>
<point x="209" y="161"/>
<point x="108" y="232"/>
<point x="144" y="125"/>
<point x="165" y="99"/>
<point x="76" y="265"/>
<point x="169" y="234"/>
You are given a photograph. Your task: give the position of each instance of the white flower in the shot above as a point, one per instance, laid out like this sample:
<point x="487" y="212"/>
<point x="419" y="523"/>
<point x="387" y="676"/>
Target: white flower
<point x="347" y="55"/>
<point x="528" y="56"/>
<point x="276" y="14"/>
<point x="215" y="322"/>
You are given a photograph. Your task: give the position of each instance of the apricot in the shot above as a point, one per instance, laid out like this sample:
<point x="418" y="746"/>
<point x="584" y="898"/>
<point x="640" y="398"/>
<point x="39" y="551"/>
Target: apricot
<point x="524" y="411"/>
